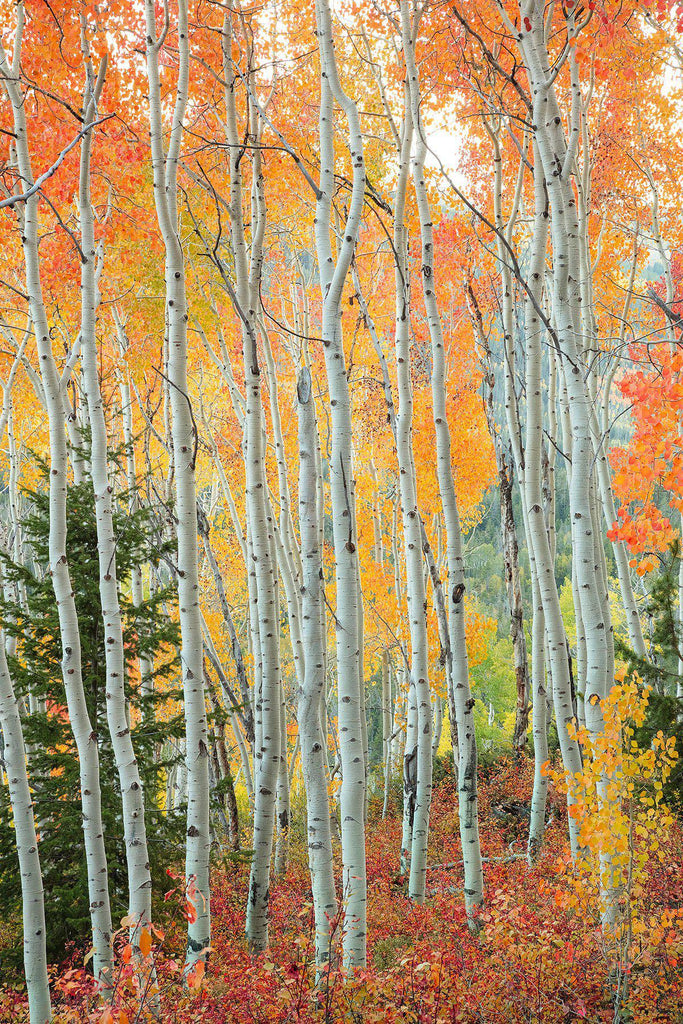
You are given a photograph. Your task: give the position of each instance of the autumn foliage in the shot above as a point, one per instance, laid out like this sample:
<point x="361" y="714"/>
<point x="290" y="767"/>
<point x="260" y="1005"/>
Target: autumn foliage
<point x="540" y="954"/>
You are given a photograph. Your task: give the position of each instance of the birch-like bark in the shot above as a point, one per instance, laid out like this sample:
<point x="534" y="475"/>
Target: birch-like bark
<point x="84" y="734"/>
<point x="333" y="274"/>
<point x="243" y="706"/>
<point x="420" y="755"/>
<point x="282" y="801"/>
<point x="311" y="693"/>
<point x="431" y="567"/>
<point x="32" y="895"/>
<point x="135" y="836"/>
<point x="183" y="433"/>
<point x="527" y="465"/>
<point x="145" y="663"/>
<point x="557" y="152"/>
<point x="539" y="724"/>
<point x="600" y="435"/>
<point x="289" y="563"/>
<point x="509" y="537"/>
<point x="533" y="497"/>
<point x="261" y="544"/>
<point x="464" y="703"/>
<point x="378" y="553"/>
<point x="387" y="719"/>
<point x="409" y="772"/>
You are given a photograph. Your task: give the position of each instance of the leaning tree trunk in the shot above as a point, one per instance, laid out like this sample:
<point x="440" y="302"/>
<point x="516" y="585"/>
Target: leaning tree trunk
<point x="135" y="836"/>
<point x="184" y="446"/>
<point x="81" y="725"/>
<point x="464" y="703"/>
<point x="32" y="896"/>
<point x="557" y="152"/>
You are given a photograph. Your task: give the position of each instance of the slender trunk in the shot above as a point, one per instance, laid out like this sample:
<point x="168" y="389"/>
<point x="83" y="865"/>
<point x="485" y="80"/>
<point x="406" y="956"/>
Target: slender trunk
<point x="135" y="836"/>
<point x="264" y="604"/>
<point x="311" y="693"/>
<point x="184" y="441"/>
<point x="32" y="896"/>
<point x="557" y="152"/>
<point x="409" y="776"/>
<point x="333" y="274"/>
<point x="464" y="702"/>
<point x="419" y="756"/>
<point x="386" y="728"/>
<point x="510" y="543"/>
<point x="84" y="734"/>
<point x="544" y="567"/>
<point x="282" y="802"/>
<point x="539" y="723"/>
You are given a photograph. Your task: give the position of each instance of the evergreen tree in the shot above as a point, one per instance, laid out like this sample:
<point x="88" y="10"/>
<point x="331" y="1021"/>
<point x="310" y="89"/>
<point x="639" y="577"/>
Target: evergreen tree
<point x="53" y="763"/>
<point x="661" y="671"/>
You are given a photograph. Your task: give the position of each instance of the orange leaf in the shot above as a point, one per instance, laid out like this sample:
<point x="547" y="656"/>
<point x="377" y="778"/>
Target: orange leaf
<point x="145" y="942"/>
<point x="194" y="978"/>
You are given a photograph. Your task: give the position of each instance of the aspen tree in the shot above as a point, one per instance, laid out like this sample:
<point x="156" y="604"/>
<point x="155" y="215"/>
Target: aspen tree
<point x="467" y="747"/>
<point x="378" y="553"/>
<point x="123" y="375"/>
<point x="527" y="463"/>
<point x="351" y="697"/>
<point x="32" y="895"/>
<point x="313" y="742"/>
<point x="184" y="440"/>
<point x="432" y="572"/>
<point x="79" y="719"/>
<point x="135" y="838"/>
<point x="535" y="515"/>
<point x="289" y="563"/>
<point x="556" y="148"/>
<point x="557" y="152"/>
<point x="419" y="755"/>
<point x="548" y="634"/>
<point x="264" y="616"/>
<point x="508" y="536"/>
<point x="590" y="342"/>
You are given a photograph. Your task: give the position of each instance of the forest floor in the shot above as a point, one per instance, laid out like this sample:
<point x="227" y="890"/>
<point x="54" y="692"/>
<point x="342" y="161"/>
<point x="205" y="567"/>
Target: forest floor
<point x="539" y="955"/>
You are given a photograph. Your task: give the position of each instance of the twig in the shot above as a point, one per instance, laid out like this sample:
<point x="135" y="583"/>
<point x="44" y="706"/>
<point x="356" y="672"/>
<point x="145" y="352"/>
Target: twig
<point x="38" y="183"/>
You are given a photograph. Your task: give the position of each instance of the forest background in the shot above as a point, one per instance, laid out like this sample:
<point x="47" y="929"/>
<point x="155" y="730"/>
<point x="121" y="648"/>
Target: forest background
<point x="341" y="453"/>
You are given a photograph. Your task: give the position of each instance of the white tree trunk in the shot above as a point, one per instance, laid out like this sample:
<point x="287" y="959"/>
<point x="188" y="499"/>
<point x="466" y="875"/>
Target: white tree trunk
<point x="265" y="624"/>
<point x="557" y="151"/>
<point x="137" y="587"/>
<point x="350" y="694"/>
<point x="533" y="496"/>
<point x="33" y="903"/>
<point x="313" y="742"/>
<point x="135" y="837"/>
<point x="539" y="723"/>
<point x="464" y="703"/>
<point x="183" y="430"/>
<point x="421" y="753"/>
<point x="84" y="734"/>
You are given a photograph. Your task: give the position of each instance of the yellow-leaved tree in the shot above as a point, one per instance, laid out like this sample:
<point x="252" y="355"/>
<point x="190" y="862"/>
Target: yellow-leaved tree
<point x="618" y="799"/>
